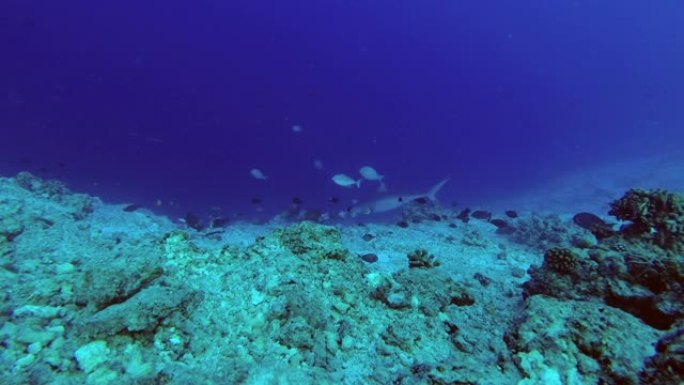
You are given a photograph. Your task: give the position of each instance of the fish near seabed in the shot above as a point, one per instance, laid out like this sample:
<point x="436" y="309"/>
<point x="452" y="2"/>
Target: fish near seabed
<point x="394" y="202"/>
<point x="257" y="174"/>
<point x="345" y="180"/>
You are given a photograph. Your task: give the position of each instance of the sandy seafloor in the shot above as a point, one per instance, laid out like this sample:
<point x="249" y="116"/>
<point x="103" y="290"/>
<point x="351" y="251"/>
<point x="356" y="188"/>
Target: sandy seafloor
<point x="93" y="294"/>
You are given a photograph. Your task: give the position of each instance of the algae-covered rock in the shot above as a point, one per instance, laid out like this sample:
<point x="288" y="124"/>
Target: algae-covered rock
<point x="10" y="225"/>
<point x="544" y="231"/>
<point x="432" y="291"/>
<point x="111" y="279"/>
<point x="92" y="355"/>
<point x="580" y="340"/>
<point x="32" y="183"/>
<point x="142" y="312"/>
<point x="79" y="205"/>
<point x="656" y="216"/>
<point x="313" y="240"/>
<point x="667" y="366"/>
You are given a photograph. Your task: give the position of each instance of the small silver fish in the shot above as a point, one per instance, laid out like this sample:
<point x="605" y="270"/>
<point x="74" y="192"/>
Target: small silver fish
<point x="256" y="173"/>
<point x="346" y="181"/>
<point x="369" y="173"/>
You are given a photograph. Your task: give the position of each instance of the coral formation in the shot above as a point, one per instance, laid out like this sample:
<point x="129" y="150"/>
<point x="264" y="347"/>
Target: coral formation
<point x="634" y="271"/>
<point x="422" y="259"/>
<point x="656" y="216"/>
<point x="561" y="260"/>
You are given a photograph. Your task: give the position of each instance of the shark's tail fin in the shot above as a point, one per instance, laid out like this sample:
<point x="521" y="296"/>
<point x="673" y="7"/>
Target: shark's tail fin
<point x="432" y="194"/>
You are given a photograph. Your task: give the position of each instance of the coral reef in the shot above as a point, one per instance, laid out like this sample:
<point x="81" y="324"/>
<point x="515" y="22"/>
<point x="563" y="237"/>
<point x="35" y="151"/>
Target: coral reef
<point x="655" y="216"/>
<point x="646" y="285"/>
<point x="635" y="270"/>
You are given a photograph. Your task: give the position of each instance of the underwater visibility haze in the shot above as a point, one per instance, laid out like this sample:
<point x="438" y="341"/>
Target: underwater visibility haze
<point x="178" y="101"/>
<point x="341" y="192"/>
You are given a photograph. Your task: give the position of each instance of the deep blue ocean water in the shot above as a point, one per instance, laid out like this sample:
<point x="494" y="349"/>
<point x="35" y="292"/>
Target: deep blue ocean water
<point x="177" y="101"/>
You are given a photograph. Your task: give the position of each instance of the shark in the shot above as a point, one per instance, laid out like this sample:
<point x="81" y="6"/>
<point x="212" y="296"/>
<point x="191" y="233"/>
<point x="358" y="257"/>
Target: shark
<point x="394" y="202"/>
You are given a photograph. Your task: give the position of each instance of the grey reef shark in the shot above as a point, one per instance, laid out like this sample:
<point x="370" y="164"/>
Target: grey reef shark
<point x="394" y="202"/>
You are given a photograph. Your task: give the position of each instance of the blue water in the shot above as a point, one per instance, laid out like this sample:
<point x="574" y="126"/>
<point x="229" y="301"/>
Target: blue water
<point x="177" y="100"/>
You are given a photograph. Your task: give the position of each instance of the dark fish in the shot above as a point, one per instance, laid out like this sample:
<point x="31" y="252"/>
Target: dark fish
<point x="435" y="217"/>
<point x="588" y="220"/>
<point x="219" y="222"/>
<point x="464" y="215"/>
<point x="402" y="224"/>
<point x="130" y="208"/>
<point x="193" y="221"/>
<point x="256" y="201"/>
<point x="499" y="223"/>
<point x="506" y="230"/>
<point x="421" y="200"/>
<point x="482" y="279"/>
<point x="333" y="200"/>
<point x="370" y="257"/>
<point x="297" y="201"/>
<point x="482" y="214"/>
<point x="511" y="214"/>
<point x="367" y="237"/>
